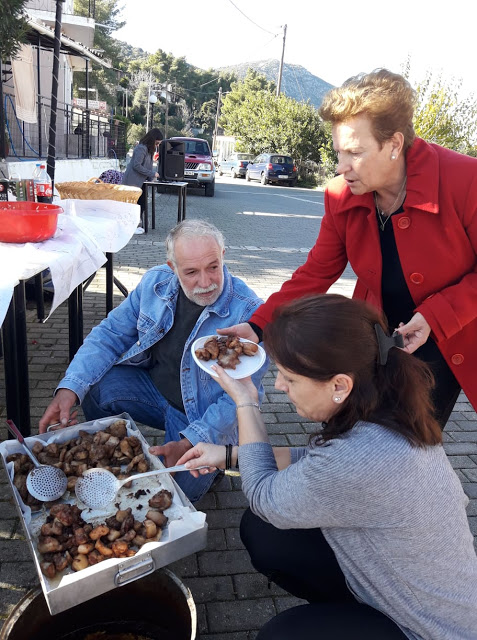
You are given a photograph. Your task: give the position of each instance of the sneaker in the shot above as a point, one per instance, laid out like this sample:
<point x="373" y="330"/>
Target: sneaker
<point x="138" y="231"/>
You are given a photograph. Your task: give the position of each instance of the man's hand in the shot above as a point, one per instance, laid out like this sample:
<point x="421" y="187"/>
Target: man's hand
<point x="415" y="332"/>
<point x="171" y="451"/>
<point x="243" y="330"/>
<point x="59" y="410"/>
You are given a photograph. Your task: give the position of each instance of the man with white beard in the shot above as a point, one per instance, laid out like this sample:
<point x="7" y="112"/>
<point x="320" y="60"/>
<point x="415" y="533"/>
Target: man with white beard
<point x="139" y="359"/>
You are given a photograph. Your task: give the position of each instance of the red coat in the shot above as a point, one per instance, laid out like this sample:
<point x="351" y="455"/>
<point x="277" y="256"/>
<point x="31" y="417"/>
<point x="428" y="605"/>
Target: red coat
<point x="436" y="238"/>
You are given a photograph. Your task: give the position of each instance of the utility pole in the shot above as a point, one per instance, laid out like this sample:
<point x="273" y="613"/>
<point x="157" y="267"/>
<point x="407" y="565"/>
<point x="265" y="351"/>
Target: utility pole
<point x="217" y="114"/>
<point x="3" y="140"/>
<point x="148" y="94"/>
<point x="279" y="84"/>
<point x="166" y="120"/>
<point x="51" y="160"/>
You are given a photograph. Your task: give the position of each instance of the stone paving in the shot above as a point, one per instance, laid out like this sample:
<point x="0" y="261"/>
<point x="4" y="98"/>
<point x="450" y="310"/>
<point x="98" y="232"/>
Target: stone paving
<point x="232" y="600"/>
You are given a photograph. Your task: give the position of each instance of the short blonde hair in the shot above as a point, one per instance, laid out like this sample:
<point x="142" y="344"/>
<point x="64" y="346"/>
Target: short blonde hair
<point x="386" y="98"/>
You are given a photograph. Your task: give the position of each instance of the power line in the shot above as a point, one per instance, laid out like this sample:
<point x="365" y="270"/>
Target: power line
<point x="202" y="93"/>
<point x="258" y="49"/>
<point x="209" y="82"/>
<point x="250" y="19"/>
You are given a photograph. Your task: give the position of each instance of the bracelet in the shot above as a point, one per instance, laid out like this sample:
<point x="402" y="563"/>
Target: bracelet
<point x="249" y="404"/>
<point x="228" y="456"/>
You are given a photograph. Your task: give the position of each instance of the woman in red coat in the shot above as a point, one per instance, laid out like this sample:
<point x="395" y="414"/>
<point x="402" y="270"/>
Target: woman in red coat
<point x="403" y="213"/>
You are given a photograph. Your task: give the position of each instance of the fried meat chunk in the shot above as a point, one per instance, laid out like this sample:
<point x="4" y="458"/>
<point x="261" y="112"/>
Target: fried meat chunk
<point x="226" y="350"/>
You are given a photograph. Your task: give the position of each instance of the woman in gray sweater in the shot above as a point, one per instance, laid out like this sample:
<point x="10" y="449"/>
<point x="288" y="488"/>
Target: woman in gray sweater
<point x="367" y="523"/>
<point x="140" y="169"/>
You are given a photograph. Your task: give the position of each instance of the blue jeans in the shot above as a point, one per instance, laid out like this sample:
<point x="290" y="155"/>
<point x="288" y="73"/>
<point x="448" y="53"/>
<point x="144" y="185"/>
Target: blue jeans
<point x="130" y="389"/>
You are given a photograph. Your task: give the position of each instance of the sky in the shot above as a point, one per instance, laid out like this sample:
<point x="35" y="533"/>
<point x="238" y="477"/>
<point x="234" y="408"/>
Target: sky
<point x="333" y="40"/>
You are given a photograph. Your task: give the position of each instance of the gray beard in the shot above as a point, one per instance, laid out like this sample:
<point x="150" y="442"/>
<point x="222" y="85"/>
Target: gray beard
<point x="193" y="296"/>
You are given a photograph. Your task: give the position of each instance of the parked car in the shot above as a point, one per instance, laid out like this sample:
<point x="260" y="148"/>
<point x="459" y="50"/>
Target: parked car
<point x="236" y="164"/>
<point x="272" y="167"/>
<point x="199" y="169"/>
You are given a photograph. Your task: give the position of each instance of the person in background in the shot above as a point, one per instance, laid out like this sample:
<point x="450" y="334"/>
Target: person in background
<point x="138" y="360"/>
<point x="112" y="176"/>
<point x="403" y="213"/>
<point x="367" y="523"/>
<point x="140" y="169"/>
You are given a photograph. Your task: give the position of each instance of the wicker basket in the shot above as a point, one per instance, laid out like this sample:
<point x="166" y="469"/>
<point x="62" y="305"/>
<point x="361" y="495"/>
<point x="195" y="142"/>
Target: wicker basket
<point x="96" y="189"/>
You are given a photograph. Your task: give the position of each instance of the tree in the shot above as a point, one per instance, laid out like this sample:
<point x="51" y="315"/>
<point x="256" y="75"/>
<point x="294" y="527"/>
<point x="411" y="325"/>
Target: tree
<point x="192" y="96"/>
<point x="107" y="14"/>
<point x="442" y="115"/>
<point x="13" y="27"/>
<point x="135" y="133"/>
<point x="193" y="92"/>
<point x="263" y="122"/>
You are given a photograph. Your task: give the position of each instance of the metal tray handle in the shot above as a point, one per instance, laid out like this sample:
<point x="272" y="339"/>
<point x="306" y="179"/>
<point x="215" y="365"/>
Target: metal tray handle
<point x="132" y="569"/>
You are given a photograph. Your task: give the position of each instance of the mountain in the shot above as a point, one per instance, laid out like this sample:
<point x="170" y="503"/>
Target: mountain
<point x="297" y="82"/>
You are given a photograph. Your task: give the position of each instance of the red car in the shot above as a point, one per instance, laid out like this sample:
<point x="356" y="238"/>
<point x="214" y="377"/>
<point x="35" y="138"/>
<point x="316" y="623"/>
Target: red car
<point x="199" y="168"/>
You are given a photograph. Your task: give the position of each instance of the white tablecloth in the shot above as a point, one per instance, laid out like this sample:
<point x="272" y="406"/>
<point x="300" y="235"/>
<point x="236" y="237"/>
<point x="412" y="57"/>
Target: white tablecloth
<point x="86" y="231"/>
<point x="110" y="223"/>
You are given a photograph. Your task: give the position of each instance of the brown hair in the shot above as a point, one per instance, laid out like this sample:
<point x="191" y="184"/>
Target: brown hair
<point x="325" y="335"/>
<point x="386" y="98"/>
<point x="150" y="139"/>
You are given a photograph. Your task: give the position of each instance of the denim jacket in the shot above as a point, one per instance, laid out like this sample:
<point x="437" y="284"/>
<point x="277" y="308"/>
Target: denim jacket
<point x="126" y="336"/>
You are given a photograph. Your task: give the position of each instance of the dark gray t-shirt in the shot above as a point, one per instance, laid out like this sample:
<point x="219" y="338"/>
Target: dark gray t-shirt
<point x="167" y="353"/>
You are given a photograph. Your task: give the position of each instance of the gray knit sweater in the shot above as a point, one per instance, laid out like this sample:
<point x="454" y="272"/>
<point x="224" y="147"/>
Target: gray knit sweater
<point x="393" y="514"/>
<point x="140" y="169"/>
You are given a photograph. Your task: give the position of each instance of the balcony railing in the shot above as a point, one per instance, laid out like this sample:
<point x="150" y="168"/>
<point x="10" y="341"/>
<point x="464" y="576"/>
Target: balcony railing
<point x="79" y="133"/>
<point x="68" y="7"/>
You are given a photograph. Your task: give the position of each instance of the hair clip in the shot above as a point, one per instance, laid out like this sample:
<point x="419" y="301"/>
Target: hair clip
<point x="387" y="342"/>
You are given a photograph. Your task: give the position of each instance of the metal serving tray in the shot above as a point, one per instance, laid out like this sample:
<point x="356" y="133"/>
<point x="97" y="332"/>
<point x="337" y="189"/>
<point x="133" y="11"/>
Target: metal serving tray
<point x="185" y="533"/>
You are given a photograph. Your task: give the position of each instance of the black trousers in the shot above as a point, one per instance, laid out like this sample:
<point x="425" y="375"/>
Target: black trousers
<point x="142" y="203"/>
<point x="302" y="562"/>
<point x="447" y="389"/>
<point x="444" y="398"/>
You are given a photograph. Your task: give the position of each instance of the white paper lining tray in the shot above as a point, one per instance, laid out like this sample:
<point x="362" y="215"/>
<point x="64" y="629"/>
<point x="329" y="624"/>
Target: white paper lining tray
<point x="185" y="533"/>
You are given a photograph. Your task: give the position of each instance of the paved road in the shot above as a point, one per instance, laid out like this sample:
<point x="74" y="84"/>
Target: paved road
<point x="269" y="231"/>
<point x="274" y="216"/>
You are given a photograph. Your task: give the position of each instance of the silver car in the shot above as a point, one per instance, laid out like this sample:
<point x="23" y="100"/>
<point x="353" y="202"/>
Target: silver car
<point x="236" y="165"/>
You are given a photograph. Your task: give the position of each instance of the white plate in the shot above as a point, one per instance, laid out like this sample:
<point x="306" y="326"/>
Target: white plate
<point x="247" y="366"/>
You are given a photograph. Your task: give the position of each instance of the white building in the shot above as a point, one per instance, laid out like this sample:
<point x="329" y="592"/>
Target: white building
<point x="29" y="140"/>
<point x="224" y="147"/>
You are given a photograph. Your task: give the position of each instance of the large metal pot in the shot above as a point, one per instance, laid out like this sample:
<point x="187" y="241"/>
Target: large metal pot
<point x="156" y="607"/>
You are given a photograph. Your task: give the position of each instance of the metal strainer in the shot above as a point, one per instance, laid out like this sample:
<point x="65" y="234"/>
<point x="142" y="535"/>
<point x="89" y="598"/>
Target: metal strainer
<point x="98" y="487"/>
<point x="44" y="482"/>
